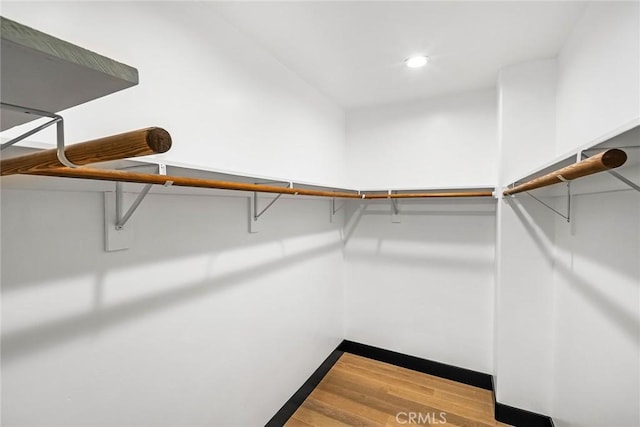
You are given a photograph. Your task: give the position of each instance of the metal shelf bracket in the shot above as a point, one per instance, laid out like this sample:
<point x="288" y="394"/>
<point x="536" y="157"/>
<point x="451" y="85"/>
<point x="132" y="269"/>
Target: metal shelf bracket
<point x="568" y="215"/>
<point x="123" y="218"/>
<point x="117" y="237"/>
<point x="395" y="211"/>
<point x="334" y="210"/>
<point x="254" y="214"/>
<point x="57" y="120"/>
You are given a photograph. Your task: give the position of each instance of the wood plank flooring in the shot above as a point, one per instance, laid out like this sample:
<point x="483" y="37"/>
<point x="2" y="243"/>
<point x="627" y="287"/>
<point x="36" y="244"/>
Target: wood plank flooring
<point x="363" y="392"/>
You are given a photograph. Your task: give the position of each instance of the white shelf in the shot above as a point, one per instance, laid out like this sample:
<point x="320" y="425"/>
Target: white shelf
<point x="454" y="188"/>
<point x="625" y="136"/>
<point x="179" y="169"/>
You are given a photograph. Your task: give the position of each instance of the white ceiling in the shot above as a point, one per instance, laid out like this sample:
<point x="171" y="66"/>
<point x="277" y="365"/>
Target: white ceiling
<point x="353" y="52"/>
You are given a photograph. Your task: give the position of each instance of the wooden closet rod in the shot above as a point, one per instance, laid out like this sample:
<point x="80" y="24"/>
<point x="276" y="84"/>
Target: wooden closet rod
<point x="430" y="194"/>
<point x="606" y="160"/>
<point x="182" y="181"/>
<point x="156" y="140"/>
<point x="136" y="143"/>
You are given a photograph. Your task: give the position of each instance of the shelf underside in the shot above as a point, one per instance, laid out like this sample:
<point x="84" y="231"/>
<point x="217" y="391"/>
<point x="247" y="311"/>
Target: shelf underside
<point x="42" y="72"/>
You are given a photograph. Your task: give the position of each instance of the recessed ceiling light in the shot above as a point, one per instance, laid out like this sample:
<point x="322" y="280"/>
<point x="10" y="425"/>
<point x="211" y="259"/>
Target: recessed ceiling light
<point x="416" y="61"/>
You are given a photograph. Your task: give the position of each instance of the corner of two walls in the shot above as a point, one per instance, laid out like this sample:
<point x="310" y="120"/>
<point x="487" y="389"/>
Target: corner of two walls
<point x="597" y="269"/>
<point x="555" y="283"/>
<point x="447" y="141"/>
<point x="525" y="236"/>
<point x="423" y="286"/>
<point x="567" y="307"/>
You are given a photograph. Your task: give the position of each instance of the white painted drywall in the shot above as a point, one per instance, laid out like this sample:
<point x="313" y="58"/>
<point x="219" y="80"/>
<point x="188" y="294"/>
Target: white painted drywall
<point x="526" y="100"/>
<point x="85" y="332"/>
<point x="567" y="296"/>
<point x="198" y="324"/>
<point x="227" y="102"/>
<point x="199" y="317"/>
<point x="599" y="74"/>
<point x="524" y="305"/>
<point x="568" y="307"/>
<point x="596" y="338"/>
<point x="425" y="286"/>
<point x="442" y="142"/>
<point x="524" y="245"/>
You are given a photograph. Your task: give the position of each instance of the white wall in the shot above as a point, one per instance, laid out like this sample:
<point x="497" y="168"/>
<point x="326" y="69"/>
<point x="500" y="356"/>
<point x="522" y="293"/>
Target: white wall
<point x="199" y="317"/>
<point x="524" y="269"/>
<point x="567" y="297"/>
<point x="200" y="323"/>
<point x="524" y="305"/>
<point x="425" y="286"/>
<point x="597" y="264"/>
<point x="568" y="312"/>
<point x="599" y="74"/>
<point x="181" y="314"/>
<point x="441" y="142"/>
<point x="227" y="103"/>
<point x="597" y="302"/>
<point x="526" y="111"/>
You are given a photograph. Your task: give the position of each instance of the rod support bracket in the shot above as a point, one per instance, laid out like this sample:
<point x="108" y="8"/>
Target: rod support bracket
<point x="254" y="214"/>
<point x="57" y="120"/>
<point x="395" y="211"/>
<point x="567" y="217"/>
<point x="333" y="209"/>
<point x="123" y="218"/>
<point x="117" y="236"/>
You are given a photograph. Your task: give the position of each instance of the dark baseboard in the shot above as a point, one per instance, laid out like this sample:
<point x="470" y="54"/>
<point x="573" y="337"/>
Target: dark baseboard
<point x="503" y="413"/>
<point x="287" y="410"/>
<point x="442" y="370"/>
<point x="519" y="417"/>
<point x="516" y="416"/>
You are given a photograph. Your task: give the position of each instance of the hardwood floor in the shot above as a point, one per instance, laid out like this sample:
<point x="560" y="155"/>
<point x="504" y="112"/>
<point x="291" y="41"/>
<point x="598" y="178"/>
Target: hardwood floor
<point x="363" y="392"/>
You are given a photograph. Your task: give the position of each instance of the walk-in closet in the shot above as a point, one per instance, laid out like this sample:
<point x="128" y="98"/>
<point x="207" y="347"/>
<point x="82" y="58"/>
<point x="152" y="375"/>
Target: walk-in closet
<point x="320" y="213"/>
